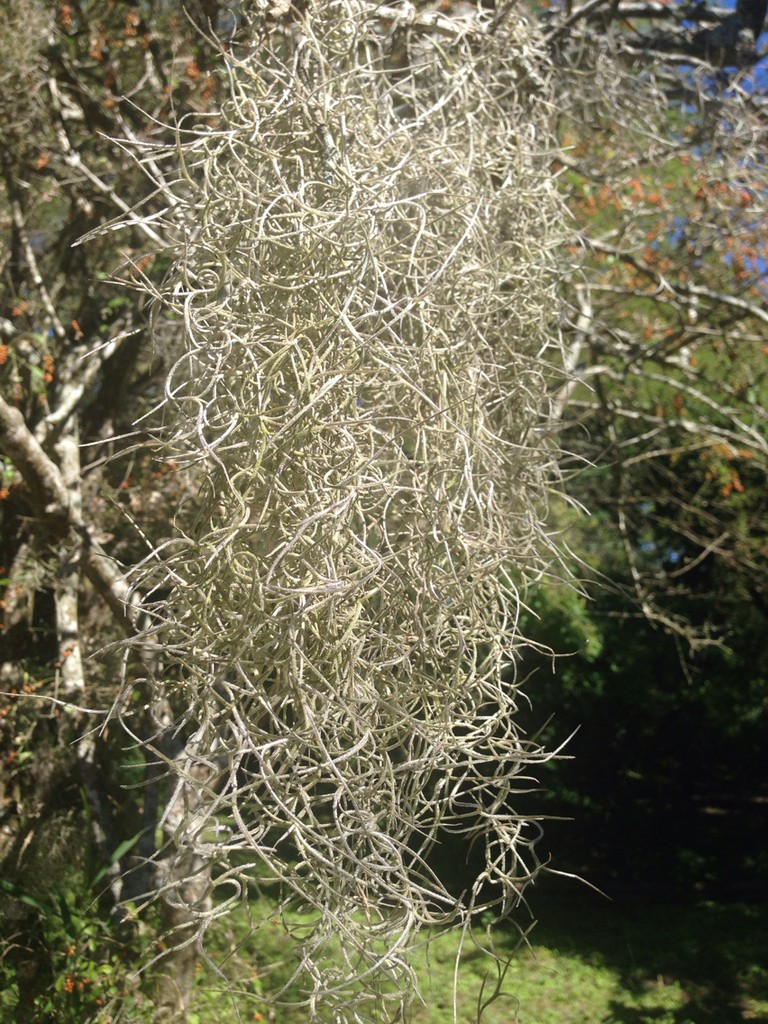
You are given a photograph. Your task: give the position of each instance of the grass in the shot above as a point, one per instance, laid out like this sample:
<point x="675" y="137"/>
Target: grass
<point x="588" y="962"/>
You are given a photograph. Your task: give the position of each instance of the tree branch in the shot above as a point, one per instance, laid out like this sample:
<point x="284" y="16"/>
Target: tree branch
<point x="50" y="501"/>
<point x="727" y="38"/>
<point x="680" y="290"/>
<point x="48" y="494"/>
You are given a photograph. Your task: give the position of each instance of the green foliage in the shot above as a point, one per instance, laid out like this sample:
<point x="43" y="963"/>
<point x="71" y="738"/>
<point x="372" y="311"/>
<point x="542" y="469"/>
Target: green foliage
<point x="667" y="751"/>
<point x="665" y="174"/>
<point x="65" y="962"/>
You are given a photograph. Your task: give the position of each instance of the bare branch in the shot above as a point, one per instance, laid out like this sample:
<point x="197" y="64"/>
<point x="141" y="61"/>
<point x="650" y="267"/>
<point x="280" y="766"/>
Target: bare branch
<point x="681" y="289"/>
<point x="51" y="503"/>
<point x="47" y="490"/>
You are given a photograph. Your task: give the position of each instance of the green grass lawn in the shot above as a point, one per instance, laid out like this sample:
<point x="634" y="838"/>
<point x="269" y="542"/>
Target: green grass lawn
<point x="588" y="962"/>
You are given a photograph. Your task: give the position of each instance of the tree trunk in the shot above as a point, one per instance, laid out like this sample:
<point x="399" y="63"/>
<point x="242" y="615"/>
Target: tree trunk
<point x="184" y="884"/>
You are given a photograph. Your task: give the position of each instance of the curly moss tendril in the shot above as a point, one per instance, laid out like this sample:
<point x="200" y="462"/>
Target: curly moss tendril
<point x="364" y="294"/>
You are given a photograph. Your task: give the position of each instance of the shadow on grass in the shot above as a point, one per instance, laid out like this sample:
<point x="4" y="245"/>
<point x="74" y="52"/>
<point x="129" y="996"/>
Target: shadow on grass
<point x="700" y="964"/>
<point x="590" y="961"/>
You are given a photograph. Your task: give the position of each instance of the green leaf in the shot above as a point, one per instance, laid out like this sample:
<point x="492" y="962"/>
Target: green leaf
<point x="64" y="913"/>
<point x="17" y="893"/>
<point x="121" y="850"/>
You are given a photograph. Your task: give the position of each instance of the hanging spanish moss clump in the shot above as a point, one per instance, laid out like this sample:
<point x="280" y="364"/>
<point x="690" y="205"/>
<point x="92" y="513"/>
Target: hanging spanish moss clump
<point x="363" y="294"/>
